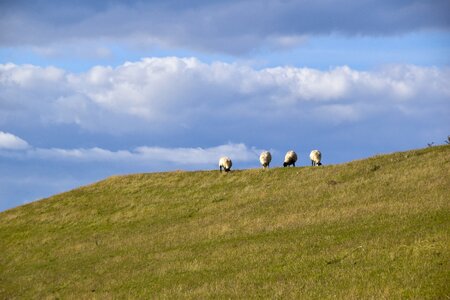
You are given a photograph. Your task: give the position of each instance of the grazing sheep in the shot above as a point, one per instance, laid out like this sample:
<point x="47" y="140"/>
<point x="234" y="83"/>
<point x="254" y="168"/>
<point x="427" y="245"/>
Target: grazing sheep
<point x="265" y="158"/>
<point x="315" y="157"/>
<point x="225" y="163"/>
<point x="290" y="158"/>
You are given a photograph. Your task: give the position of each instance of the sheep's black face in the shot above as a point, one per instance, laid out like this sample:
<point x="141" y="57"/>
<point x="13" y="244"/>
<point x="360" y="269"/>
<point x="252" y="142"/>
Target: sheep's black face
<point x="285" y="164"/>
<point x="319" y="164"/>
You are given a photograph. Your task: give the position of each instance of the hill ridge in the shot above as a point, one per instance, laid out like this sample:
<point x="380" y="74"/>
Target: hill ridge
<point x="372" y="228"/>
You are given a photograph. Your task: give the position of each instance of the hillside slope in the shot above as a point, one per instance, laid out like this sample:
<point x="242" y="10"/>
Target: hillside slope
<point x="374" y="228"/>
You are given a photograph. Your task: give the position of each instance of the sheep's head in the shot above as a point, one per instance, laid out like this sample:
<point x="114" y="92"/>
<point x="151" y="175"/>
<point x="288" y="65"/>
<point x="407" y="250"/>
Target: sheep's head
<point x="285" y="164"/>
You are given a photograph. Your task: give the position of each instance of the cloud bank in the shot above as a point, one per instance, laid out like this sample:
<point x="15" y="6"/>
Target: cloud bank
<point x="16" y="148"/>
<point x="149" y="155"/>
<point x="206" y="25"/>
<point x="166" y="95"/>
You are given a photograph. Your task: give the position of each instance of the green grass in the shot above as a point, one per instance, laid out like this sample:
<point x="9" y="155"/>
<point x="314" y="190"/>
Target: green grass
<point x="377" y="228"/>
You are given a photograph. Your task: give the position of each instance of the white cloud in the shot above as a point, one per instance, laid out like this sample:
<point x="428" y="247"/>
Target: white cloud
<point x="186" y="156"/>
<point x="29" y="76"/>
<point x="10" y="141"/>
<point x="146" y="155"/>
<point x="163" y="94"/>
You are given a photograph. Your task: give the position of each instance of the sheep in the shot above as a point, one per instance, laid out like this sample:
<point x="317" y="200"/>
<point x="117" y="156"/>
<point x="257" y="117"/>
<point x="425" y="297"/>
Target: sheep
<point x="265" y="158"/>
<point x="225" y="163"/>
<point x="315" y="157"/>
<point x="290" y="158"/>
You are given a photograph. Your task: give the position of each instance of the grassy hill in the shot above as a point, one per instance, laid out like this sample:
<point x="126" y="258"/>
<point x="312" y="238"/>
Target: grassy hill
<point x="374" y="228"/>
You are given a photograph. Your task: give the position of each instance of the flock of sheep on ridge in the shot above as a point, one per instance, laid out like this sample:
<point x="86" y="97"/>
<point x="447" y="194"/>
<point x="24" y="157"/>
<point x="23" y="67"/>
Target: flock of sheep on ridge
<point x="265" y="158"/>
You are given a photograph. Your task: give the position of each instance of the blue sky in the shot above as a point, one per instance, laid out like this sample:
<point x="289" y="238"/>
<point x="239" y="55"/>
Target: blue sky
<point x="89" y="90"/>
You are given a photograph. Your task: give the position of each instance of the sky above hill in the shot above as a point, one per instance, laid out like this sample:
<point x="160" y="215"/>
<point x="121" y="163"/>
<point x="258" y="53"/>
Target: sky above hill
<point x="90" y="89"/>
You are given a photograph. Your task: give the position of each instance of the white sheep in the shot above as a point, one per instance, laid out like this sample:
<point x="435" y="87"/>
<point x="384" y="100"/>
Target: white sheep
<point x="315" y="157"/>
<point x="290" y="158"/>
<point x="265" y="158"/>
<point x="225" y="163"/>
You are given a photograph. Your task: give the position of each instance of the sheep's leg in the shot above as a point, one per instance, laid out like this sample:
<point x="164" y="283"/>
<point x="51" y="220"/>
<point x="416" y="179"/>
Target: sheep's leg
<point x="220" y="167"/>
